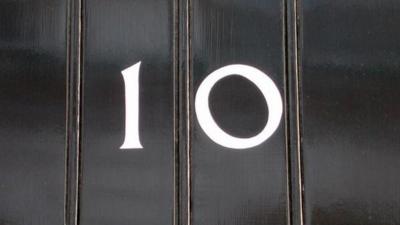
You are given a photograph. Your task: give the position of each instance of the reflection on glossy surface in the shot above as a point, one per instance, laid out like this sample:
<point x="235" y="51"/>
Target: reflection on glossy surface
<point x="351" y="113"/>
<point x="32" y="112"/>
<point x="238" y="186"/>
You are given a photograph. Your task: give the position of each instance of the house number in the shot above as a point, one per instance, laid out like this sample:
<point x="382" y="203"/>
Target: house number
<point x="263" y="82"/>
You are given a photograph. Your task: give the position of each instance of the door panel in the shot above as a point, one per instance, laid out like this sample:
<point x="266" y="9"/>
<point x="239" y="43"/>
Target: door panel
<point x="350" y="112"/>
<point x="127" y="186"/>
<point x="237" y="186"/>
<point x="32" y="112"/>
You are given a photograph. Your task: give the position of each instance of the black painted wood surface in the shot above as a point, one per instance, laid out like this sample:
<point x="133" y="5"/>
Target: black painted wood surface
<point x="231" y="186"/>
<point x="333" y="160"/>
<point x="131" y="186"/>
<point x="32" y="113"/>
<point x="350" y="112"/>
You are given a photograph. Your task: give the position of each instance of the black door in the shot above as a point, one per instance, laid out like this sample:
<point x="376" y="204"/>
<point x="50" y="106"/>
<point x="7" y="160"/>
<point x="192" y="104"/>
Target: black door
<point x="202" y="112"/>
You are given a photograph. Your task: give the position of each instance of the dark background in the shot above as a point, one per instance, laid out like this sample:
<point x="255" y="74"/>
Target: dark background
<point x="351" y="116"/>
<point x="32" y="111"/>
<point x="134" y="186"/>
<point x="334" y="160"/>
<point x="231" y="186"/>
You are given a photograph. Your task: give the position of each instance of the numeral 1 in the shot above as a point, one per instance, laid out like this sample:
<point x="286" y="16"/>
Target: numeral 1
<point x="131" y="80"/>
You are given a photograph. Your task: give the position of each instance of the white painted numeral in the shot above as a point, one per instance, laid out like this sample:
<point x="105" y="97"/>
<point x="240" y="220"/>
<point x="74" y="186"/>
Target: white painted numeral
<point x="267" y="88"/>
<point x="206" y="121"/>
<point x="131" y="80"/>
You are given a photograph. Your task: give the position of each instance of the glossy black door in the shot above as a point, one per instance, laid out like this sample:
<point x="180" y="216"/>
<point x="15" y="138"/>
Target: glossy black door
<point x="231" y="186"/>
<point x="351" y="114"/>
<point x="32" y="112"/>
<point x="129" y="186"/>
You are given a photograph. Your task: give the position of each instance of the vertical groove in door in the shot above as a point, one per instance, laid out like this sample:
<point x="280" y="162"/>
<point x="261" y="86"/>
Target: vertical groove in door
<point x="175" y="69"/>
<point x="293" y="114"/>
<point x="183" y="70"/>
<point x="73" y="120"/>
<point x="299" y="135"/>
<point x="189" y="111"/>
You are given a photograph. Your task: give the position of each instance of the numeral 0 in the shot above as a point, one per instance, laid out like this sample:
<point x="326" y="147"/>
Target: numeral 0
<point x="207" y="123"/>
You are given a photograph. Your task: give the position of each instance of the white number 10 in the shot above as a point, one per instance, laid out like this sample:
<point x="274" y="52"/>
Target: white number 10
<point x="207" y="123"/>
